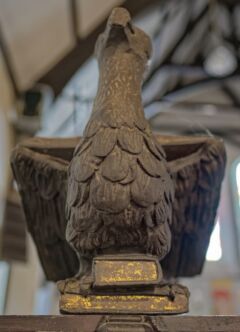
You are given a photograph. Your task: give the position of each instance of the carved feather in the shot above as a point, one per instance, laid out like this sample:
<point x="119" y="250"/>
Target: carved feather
<point x="92" y="128"/>
<point x="198" y="179"/>
<point x="109" y="196"/>
<point x="195" y="206"/>
<point x="130" y="140"/>
<point x="128" y="177"/>
<point x="104" y="142"/>
<point x="120" y="189"/>
<point x="146" y="190"/>
<point x="42" y="184"/>
<point x="155" y="148"/>
<point x="152" y="165"/>
<point x="115" y="166"/>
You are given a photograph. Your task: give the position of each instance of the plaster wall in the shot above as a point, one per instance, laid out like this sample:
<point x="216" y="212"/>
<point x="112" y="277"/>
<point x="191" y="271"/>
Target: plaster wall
<point x="37" y="35"/>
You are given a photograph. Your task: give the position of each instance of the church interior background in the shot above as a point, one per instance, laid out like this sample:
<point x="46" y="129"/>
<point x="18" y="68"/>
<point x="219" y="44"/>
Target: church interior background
<point x="48" y="79"/>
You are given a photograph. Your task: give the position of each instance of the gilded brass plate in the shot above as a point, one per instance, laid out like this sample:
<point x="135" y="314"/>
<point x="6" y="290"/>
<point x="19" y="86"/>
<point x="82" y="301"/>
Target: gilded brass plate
<point x="117" y="272"/>
<point x="123" y="304"/>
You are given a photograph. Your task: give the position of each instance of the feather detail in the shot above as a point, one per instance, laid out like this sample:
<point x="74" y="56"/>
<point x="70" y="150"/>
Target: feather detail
<point x="159" y="240"/>
<point x="160" y="148"/>
<point x="92" y="128"/>
<point x="130" y="140"/>
<point x="197" y="185"/>
<point x="151" y="164"/>
<point x="153" y="146"/>
<point x="148" y="219"/>
<point x="42" y="182"/>
<point x="82" y="146"/>
<point x="104" y="142"/>
<point x="141" y="123"/>
<point x="78" y="193"/>
<point x="146" y="190"/>
<point x="73" y="193"/>
<point x="82" y="168"/>
<point x="131" y="175"/>
<point x="112" y="119"/>
<point x="115" y="165"/>
<point x="107" y="196"/>
<point x="83" y="165"/>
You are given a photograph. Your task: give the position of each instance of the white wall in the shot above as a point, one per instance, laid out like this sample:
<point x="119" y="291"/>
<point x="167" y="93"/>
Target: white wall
<point x="23" y="283"/>
<point x="37" y="34"/>
<point x="92" y="12"/>
<point x="6" y="103"/>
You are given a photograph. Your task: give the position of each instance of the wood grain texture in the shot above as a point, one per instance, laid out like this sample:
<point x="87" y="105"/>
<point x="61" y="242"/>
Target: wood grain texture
<point x="118" y="184"/>
<point x="120" y="190"/>
<point x="89" y="323"/>
<point x="189" y="154"/>
<point x="42" y="186"/>
<point x="198" y="181"/>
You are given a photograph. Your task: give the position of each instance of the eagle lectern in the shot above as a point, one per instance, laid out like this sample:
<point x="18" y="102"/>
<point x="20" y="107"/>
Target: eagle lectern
<point x="119" y="212"/>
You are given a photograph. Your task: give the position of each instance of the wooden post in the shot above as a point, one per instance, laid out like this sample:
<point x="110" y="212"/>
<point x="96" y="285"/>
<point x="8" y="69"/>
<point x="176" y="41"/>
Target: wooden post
<point x="90" y="323"/>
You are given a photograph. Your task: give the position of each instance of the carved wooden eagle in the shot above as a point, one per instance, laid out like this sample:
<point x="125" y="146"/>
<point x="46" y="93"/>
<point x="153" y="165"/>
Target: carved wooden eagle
<point x="124" y="188"/>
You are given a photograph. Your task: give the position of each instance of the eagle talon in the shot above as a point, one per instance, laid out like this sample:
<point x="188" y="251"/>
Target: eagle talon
<point x="75" y="285"/>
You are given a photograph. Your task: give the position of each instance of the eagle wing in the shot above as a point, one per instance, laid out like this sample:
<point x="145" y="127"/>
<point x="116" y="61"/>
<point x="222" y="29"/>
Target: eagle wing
<point x="198" y="169"/>
<point x="40" y="170"/>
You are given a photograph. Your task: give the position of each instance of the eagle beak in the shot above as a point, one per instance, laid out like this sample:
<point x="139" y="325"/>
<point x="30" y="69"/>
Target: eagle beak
<point x="119" y="18"/>
<point x="118" y="25"/>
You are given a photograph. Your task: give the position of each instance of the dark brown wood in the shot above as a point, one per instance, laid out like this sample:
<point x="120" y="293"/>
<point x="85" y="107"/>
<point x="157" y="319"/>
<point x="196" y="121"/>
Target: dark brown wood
<point x="62" y="148"/>
<point x="122" y="197"/>
<point x="174" y="146"/>
<point x="89" y="323"/>
<point x="49" y="323"/>
<point x="119" y="191"/>
<point x="36" y="155"/>
<point x="123" y="194"/>
<point x="43" y="198"/>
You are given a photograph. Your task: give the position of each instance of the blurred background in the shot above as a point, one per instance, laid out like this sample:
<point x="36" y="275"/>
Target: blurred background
<point x="48" y="79"/>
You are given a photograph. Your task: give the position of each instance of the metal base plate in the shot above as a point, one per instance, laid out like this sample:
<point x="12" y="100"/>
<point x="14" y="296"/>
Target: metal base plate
<point x="123" y="304"/>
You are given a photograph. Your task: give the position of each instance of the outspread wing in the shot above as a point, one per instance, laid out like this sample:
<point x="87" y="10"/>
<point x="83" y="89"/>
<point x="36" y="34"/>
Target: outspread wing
<point x="198" y="178"/>
<point x="41" y="182"/>
<point x="40" y="169"/>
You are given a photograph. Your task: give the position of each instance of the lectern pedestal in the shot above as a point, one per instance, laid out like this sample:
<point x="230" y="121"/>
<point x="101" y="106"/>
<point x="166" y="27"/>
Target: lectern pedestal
<point x="123" y="284"/>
